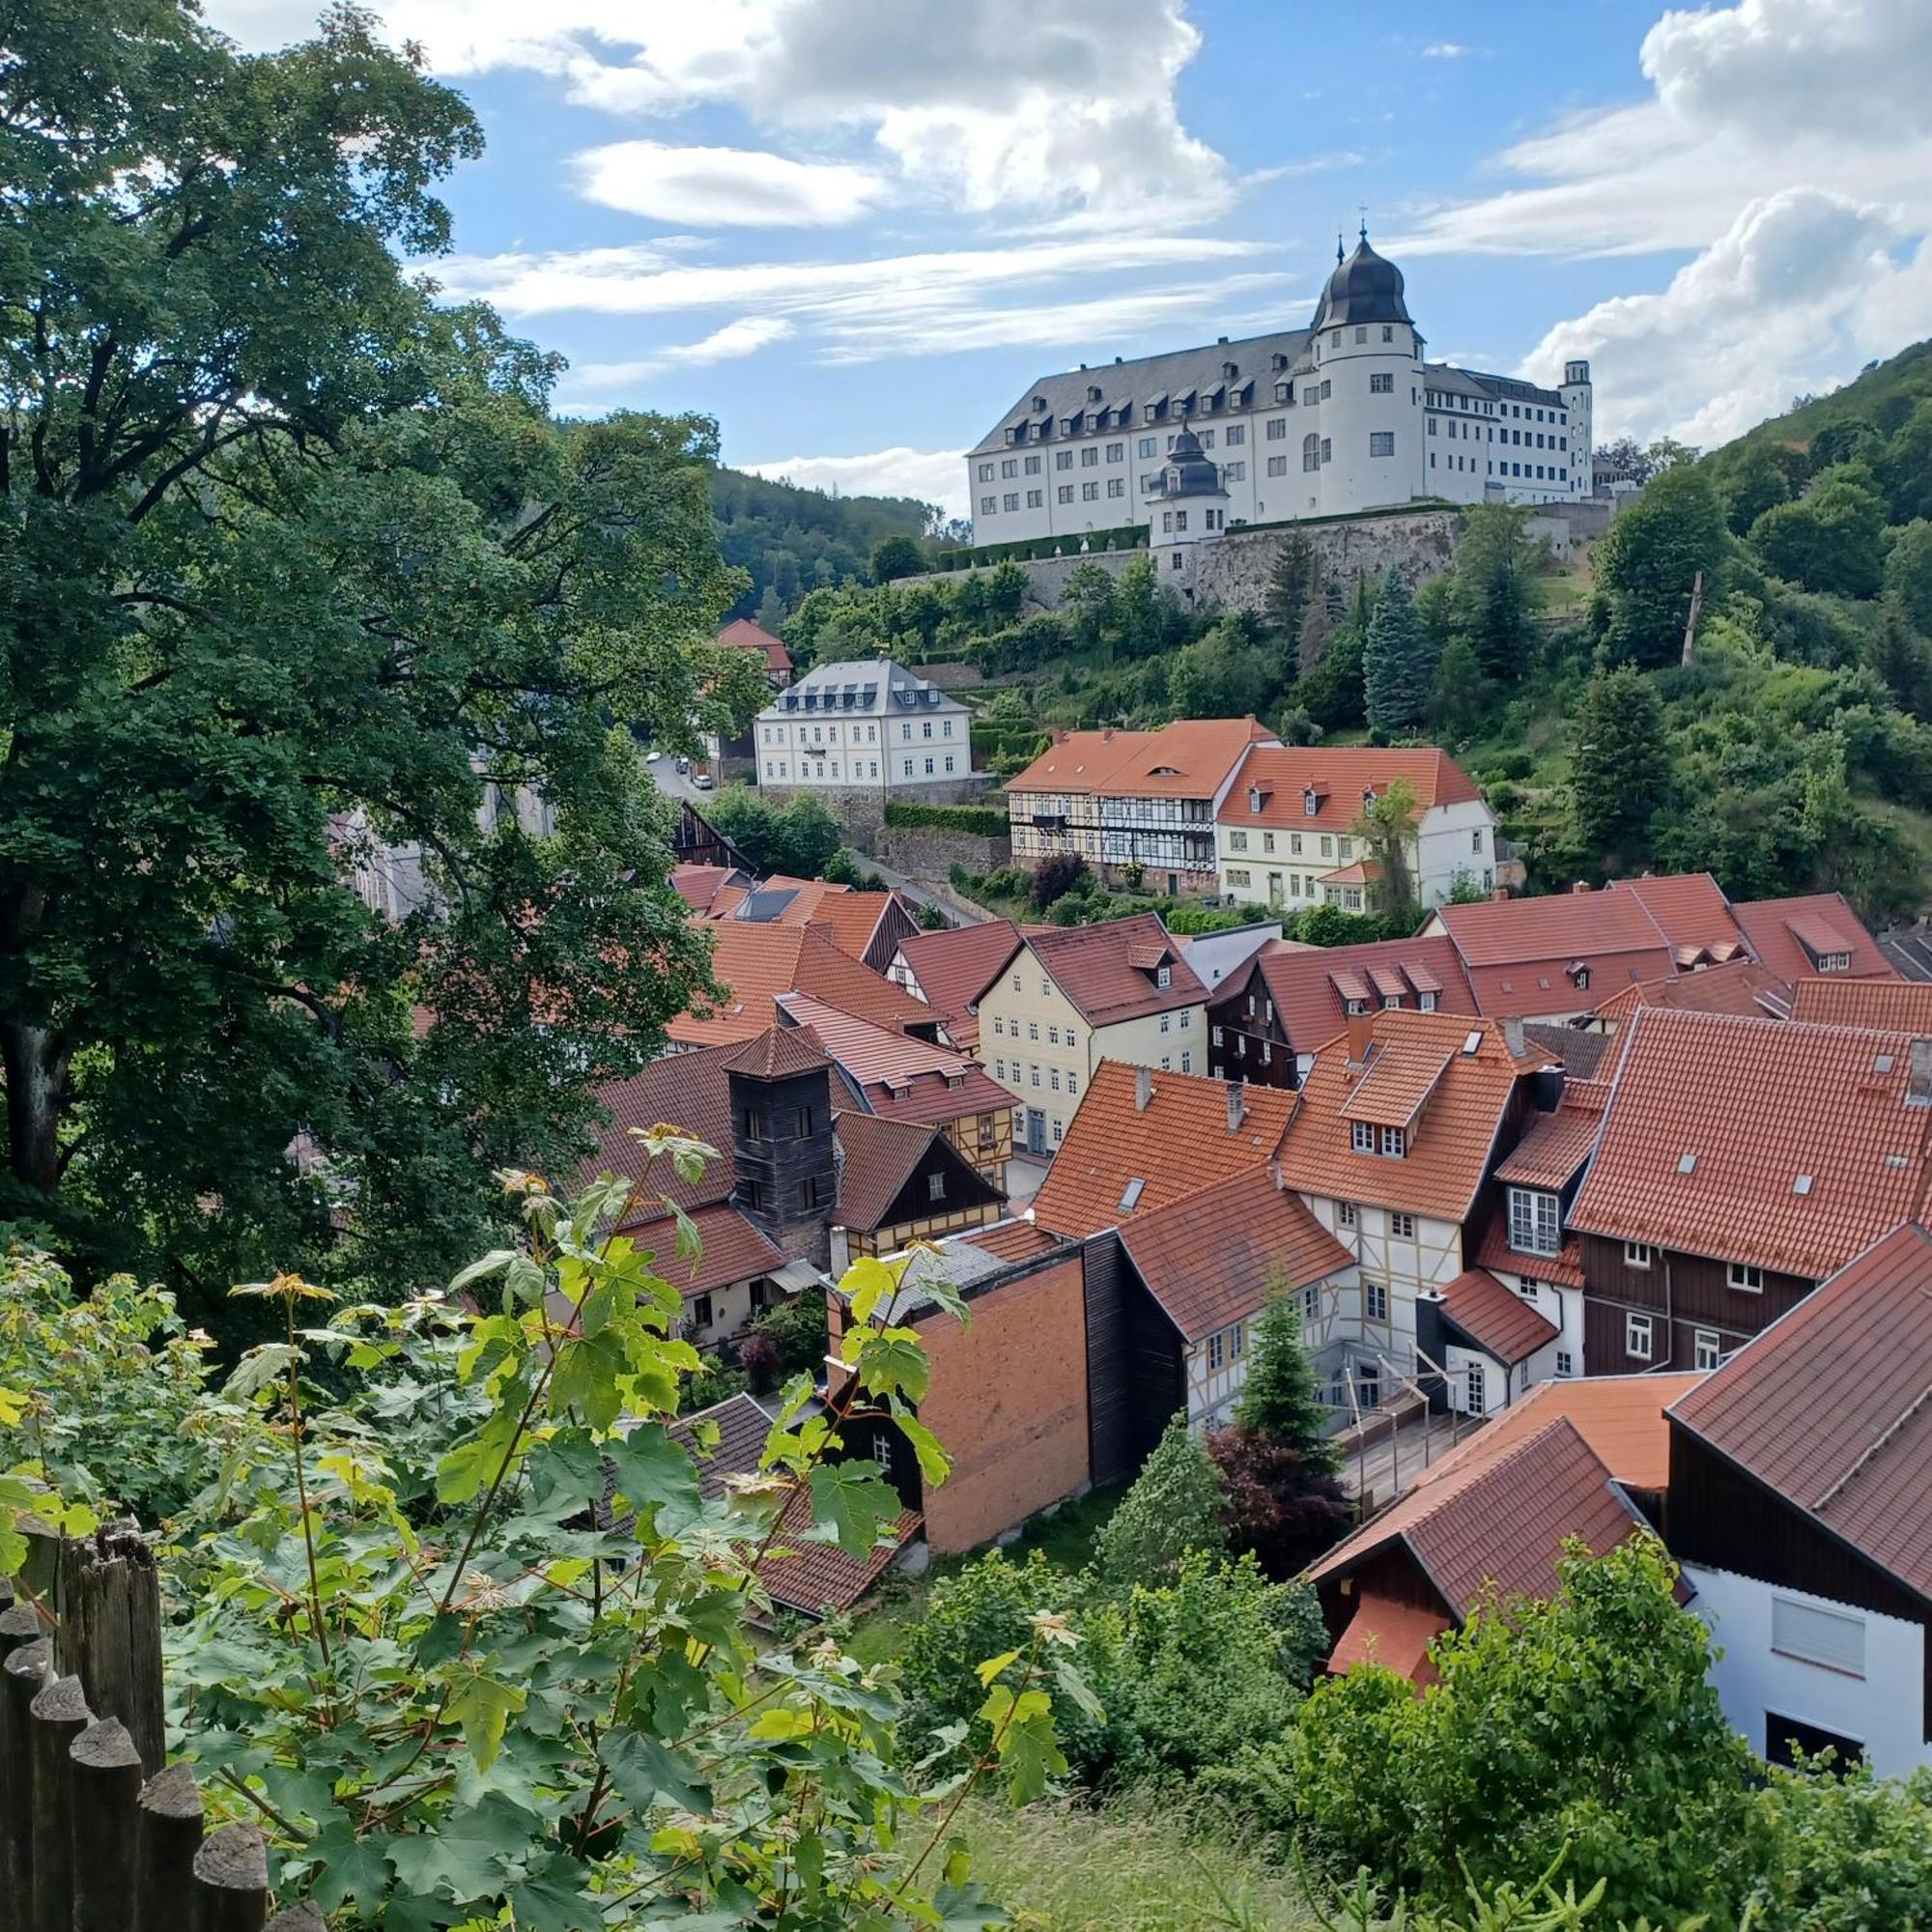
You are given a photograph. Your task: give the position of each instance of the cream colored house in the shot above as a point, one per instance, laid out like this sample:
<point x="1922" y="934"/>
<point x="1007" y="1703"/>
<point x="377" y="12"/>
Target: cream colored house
<point x="1285" y="838"/>
<point x="1069" y="998"/>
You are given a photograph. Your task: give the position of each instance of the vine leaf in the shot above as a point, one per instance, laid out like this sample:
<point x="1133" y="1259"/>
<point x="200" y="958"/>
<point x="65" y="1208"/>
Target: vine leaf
<point x="482" y="1705"/>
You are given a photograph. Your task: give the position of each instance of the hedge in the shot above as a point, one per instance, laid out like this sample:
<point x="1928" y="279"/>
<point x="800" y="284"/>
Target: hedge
<point x="1128" y="536"/>
<point x="984" y="821"/>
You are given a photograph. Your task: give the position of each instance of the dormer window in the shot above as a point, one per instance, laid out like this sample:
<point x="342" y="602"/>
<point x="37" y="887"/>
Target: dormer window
<point x="1354" y="1007"/>
<point x="1093" y="392"/>
<point x="1039" y="406"/>
<point x="1580" y="976"/>
<point x="1311" y="801"/>
<point x="1834" y="962"/>
<point x="1361" y="1137"/>
<point x="1535" y="1227"/>
<point x="1163" y="976"/>
<point x="1255" y="797"/>
<point x="1395" y="1143"/>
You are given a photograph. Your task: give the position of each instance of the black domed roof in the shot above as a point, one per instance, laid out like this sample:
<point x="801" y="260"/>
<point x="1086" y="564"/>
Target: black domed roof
<point x="1189" y="472"/>
<point x="1365" y="287"/>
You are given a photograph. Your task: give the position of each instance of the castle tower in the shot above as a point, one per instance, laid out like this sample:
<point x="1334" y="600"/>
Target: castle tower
<point x="782" y="1139"/>
<point x="1576" y="407"/>
<point x="1189" y="504"/>
<point x="1368" y="370"/>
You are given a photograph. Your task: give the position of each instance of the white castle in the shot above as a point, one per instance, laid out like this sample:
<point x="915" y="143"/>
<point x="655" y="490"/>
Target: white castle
<point x="1342" y="416"/>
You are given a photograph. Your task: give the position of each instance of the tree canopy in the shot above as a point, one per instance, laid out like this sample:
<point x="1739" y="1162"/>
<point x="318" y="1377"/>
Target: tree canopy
<point x="300" y="577"/>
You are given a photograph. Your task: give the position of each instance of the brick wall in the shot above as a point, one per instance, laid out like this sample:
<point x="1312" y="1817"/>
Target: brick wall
<point x="1008" y="1401"/>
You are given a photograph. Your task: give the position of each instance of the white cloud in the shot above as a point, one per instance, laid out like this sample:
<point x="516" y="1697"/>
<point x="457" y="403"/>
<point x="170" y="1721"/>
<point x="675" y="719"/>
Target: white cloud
<point x="730" y="344"/>
<point x="1444" y="50"/>
<point x="713" y="186"/>
<point x="932" y="475"/>
<point x="1745" y="100"/>
<point x="906" y="303"/>
<point x="1795" y="295"/>
<point x="1006" y="105"/>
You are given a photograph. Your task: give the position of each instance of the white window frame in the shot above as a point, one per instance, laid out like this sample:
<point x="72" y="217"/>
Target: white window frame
<point x="1638" y="1327"/>
<point x="1535" y="1222"/>
<point x="1638" y="1254"/>
<point x="1744" y="1277"/>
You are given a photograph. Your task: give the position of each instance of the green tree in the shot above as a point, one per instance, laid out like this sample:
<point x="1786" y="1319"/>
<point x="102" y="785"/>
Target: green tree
<point x="895" y="557"/>
<point x="1088" y="600"/>
<point x="1399" y="660"/>
<point x="300" y="574"/>
<point x="1281" y="1396"/>
<point x="1908" y="572"/>
<point x="1292" y="585"/>
<point x="1648" y="562"/>
<point x="1387" y="826"/>
<point x="1173" y="1506"/>
<point x="1752" y="483"/>
<point x="798" y="835"/>
<point x="1899" y="654"/>
<point x="1824" y="1850"/>
<point x="1906" y="465"/>
<point x="1461" y="698"/>
<point x="1618" y="763"/>
<point x="1587" y="1719"/>
<point x="1222" y="674"/>
<point x="1491" y="596"/>
<point x="1832" y="539"/>
<point x="1143" y="608"/>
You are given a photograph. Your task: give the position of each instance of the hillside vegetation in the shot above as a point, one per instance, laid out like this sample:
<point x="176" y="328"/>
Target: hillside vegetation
<point x="1788" y="755"/>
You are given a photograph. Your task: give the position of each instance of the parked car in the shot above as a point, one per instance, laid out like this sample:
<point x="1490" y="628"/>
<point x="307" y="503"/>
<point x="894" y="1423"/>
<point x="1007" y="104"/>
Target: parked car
<point x="651" y="758"/>
<point x="702" y="781"/>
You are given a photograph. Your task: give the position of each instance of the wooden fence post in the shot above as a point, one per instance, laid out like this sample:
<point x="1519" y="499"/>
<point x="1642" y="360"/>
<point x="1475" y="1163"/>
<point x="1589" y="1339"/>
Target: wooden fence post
<point x="22" y="1678"/>
<point x="304" y="1917"/>
<point x="109" y="1597"/>
<point x="105" y="1772"/>
<point x="231" y="1880"/>
<point x="167" y="1836"/>
<point x="58" y="1714"/>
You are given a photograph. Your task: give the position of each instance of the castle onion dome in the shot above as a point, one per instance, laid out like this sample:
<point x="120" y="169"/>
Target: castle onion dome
<point x="1189" y="471"/>
<point x="1365" y="287"/>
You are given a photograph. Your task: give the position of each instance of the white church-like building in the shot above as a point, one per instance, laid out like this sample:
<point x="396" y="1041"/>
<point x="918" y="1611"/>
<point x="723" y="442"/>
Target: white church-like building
<point x="1339" y="417"/>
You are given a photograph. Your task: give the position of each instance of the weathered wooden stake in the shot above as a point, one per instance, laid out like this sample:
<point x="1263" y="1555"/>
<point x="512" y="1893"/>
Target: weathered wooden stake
<point x="21" y="1679"/>
<point x="110" y="1635"/>
<point x="166" y="1838"/>
<point x="304" y="1917"/>
<point x="106" y="1783"/>
<point x="58" y="1715"/>
<point x="231" y="1880"/>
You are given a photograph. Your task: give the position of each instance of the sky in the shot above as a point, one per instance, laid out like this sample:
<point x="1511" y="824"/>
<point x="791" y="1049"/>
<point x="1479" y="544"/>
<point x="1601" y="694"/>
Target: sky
<point x="854" y="231"/>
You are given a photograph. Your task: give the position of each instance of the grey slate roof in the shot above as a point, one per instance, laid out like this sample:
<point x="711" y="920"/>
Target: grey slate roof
<point x="1147" y="379"/>
<point x="861" y="687"/>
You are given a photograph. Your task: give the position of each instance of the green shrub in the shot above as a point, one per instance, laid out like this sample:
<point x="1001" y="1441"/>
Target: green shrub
<point x="981" y="821"/>
<point x="1174" y="1507"/>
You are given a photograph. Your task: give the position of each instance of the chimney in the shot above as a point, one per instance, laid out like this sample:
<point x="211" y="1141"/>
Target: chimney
<point x="1500" y="894"/>
<point x="1237" y="1104"/>
<point x="1361" y="1037"/>
<point x="1143" y="1088"/>
<point x="1512" y="1035"/>
<point x="1579" y="885"/>
<point x="1918" y="1085"/>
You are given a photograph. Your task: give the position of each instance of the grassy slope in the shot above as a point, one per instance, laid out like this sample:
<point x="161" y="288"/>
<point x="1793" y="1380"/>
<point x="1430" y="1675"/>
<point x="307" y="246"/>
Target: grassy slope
<point x="1135" y="1866"/>
<point x="1908" y="374"/>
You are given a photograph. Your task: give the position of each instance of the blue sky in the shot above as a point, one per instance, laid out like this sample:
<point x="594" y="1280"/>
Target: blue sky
<point x="854" y="230"/>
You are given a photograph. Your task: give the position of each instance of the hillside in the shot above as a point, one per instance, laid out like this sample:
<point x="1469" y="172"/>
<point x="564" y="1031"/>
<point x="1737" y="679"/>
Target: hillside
<point x="794" y="541"/>
<point x="1883" y="394"/>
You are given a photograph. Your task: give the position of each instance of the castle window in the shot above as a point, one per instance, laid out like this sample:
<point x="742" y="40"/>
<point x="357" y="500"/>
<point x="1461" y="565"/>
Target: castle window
<point x="1328" y="449"/>
<point x="1388" y="333"/>
<point x="1381" y="384"/>
<point x="1381" y="442"/>
<point x="1311" y="457"/>
<point x="1277" y="429"/>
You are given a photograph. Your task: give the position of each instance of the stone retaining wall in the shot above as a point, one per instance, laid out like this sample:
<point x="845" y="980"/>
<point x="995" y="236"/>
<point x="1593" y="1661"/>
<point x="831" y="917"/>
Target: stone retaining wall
<point x="925" y="852"/>
<point x="862" y="808"/>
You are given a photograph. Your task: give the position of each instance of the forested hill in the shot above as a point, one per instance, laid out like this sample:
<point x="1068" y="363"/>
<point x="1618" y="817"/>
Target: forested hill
<point x="794" y="540"/>
<point x="1883" y="396"/>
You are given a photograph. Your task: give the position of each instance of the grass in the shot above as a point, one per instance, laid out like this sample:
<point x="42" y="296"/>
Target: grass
<point x="1065" y="1538"/>
<point x="1132" y="1865"/>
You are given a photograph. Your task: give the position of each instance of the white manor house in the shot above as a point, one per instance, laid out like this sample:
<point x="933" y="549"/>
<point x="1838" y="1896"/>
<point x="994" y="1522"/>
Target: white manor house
<point x="1342" y="416"/>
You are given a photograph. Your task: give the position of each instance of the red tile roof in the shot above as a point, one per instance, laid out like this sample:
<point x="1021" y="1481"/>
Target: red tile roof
<point x="953" y="968"/>
<point x="849" y="916"/>
<point x="1453" y="1136"/>
<point x="1556" y="1145"/>
<point x="733" y="1250"/>
<point x="697" y="886"/>
<point x="742" y="1427"/>
<point x="1012" y="1240"/>
<point x="1828" y="1407"/>
<point x="1759" y="1110"/>
<point x="688" y="1091"/>
<point x="756" y="963"/>
<point x="742" y="634"/>
<point x="1494" y="1252"/>
<point x="1107" y="972"/>
<point x="879" y="1158"/>
<point x="1521" y="954"/>
<point x="1179" y="1143"/>
<point x="1781" y="931"/>
<point x="777" y="1054"/>
<point x="1692" y="912"/>
<point x="1396" y="1636"/>
<point x="1340" y="774"/>
<point x="1499" y="1519"/>
<point x="1306" y="983"/>
<point x="1192" y="758"/>
<point x="1497" y="1319"/>
<point x="1396" y="1085"/>
<point x="1893" y="1005"/>
<point x="1211" y="1257"/>
<point x="871" y="1053"/>
<point x="819" y="1578"/>
<point x="1621" y="1417"/>
<point x="1741" y="987"/>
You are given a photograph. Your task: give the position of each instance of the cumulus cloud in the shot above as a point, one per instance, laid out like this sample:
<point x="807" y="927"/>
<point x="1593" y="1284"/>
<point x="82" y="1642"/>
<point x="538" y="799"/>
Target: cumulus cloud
<point x="932" y="475"/>
<point x="1444" y="50"/>
<point x="1003" y="104"/>
<point x="708" y="188"/>
<point x="730" y="344"/>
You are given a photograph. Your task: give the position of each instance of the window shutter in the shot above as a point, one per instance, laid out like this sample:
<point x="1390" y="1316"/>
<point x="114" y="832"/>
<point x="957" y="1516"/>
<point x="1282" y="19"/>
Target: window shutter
<point x="1818" y="1636"/>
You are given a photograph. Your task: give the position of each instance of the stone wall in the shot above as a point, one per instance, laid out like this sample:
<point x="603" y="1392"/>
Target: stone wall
<point x="925" y="852"/>
<point x="862" y="808"/>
